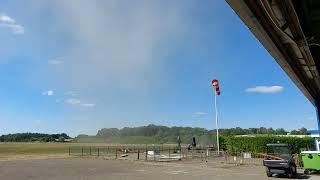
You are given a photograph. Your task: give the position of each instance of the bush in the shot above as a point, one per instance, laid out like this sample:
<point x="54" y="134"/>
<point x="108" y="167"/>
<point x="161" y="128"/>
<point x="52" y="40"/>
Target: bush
<point x="258" y="144"/>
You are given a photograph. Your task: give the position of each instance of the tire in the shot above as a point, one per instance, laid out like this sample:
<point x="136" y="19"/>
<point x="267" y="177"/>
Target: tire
<point x="295" y="171"/>
<point x="291" y="172"/>
<point x="269" y="174"/>
<point x="307" y="171"/>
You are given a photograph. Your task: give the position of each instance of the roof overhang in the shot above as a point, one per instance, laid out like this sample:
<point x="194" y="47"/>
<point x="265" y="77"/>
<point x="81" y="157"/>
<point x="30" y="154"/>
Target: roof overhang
<point x="277" y="26"/>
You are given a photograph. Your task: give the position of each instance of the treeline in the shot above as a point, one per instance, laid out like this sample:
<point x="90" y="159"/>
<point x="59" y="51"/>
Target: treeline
<point x="151" y="133"/>
<point x="154" y="130"/>
<point x="261" y="130"/>
<point x="31" y="137"/>
<point x="163" y="134"/>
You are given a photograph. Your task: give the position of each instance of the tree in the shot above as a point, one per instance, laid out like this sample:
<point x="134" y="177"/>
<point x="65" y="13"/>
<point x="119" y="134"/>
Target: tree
<point x="303" y="131"/>
<point x="280" y="131"/>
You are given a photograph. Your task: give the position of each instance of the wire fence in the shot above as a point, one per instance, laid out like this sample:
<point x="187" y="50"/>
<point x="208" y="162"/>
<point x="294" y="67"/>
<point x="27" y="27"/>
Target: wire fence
<point x="165" y="153"/>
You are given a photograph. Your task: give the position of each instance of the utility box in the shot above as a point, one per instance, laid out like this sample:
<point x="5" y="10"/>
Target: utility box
<point x="311" y="161"/>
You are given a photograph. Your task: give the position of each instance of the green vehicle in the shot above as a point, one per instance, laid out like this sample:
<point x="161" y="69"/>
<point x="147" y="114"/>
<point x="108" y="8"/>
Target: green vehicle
<point x="311" y="161"/>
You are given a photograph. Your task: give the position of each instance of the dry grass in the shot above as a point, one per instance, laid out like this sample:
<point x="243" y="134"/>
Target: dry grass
<point x="10" y="151"/>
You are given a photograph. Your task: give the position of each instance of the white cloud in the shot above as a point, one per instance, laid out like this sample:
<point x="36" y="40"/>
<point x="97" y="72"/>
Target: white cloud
<point x="197" y="114"/>
<point x="55" y="61"/>
<point x="48" y="93"/>
<point x="6" y="19"/>
<point x="71" y="93"/>
<point x="8" y="22"/>
<point x="72" y="101"/>
<point x="265" y="89"/>
<point x="75" y="101"/>
<point x="88" y="104"/>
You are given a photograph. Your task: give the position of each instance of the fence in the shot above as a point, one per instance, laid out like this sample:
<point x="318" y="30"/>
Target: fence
<point x="167" y="153"/>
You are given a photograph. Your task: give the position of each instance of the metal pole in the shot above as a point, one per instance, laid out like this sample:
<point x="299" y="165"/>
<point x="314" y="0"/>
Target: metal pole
<point x="217" y="128"/>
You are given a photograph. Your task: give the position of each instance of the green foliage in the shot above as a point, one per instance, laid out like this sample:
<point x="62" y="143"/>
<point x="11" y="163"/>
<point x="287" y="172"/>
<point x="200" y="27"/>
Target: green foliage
<point x="148" y="134"/>
<point x="31" y="137"/>
<point x="169" y="134"/>
<point x="153" y="134"/>
<point x="302" y="131"/>
<point x="258" y="143"/>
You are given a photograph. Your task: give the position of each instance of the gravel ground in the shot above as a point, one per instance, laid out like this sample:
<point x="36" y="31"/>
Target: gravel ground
<point x="99" y="169"/>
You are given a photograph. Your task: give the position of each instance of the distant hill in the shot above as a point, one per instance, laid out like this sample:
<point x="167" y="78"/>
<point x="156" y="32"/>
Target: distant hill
<point x="163" y="134"/>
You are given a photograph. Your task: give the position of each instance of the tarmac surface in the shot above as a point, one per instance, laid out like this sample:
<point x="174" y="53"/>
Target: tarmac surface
<point x="99" y="169"/>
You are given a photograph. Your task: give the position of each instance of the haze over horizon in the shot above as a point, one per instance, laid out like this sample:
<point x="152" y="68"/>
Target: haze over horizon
<point x="79" y="66"/>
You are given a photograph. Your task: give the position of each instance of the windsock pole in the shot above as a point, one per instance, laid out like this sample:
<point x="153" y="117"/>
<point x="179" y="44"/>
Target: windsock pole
<point x="216" y="88"/>
<point x="217" y="128"/>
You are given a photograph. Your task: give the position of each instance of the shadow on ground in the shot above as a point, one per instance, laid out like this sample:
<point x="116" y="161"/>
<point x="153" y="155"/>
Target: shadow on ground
<point x="299" y="176"/>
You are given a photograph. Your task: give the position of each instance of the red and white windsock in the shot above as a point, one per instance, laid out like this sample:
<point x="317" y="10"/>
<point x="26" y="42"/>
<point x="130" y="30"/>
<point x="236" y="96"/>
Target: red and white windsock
<point x="215" y="85"/>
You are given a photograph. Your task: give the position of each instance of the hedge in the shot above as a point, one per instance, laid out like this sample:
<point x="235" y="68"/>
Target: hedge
<point x="258" y="144"/>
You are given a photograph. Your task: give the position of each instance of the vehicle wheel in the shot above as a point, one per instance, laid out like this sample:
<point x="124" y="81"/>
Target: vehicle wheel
<point x="290" y="172"/>
<point x="269" y="174"/>
<point x="306" y="171"/>
<point x="295" y="171"/>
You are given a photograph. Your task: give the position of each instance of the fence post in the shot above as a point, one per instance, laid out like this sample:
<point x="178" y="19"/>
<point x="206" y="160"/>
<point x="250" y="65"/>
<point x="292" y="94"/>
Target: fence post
<point x="180" y="154"/>
<point x="146" y="153"/>
<point x="69" y="150"/>
<point x="138" y="154"/>
<point x="154" y="154"/>
<point x="98" y="152"/>
<point x="192" y="152"/>
<point x="116" y="153"/>
<point x="169" y="152"/>
<point x="81" y="151"/>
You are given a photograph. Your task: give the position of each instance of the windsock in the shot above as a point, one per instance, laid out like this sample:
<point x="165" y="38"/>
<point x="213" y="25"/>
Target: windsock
<point x="215" y="85"/>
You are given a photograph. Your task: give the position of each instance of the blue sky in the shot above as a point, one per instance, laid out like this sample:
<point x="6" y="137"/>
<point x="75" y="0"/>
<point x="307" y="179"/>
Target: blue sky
<point x="78" y="66"/>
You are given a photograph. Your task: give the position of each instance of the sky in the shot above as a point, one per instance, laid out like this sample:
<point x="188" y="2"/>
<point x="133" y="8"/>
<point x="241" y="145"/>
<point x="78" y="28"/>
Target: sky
<point x="78" y="66"/>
